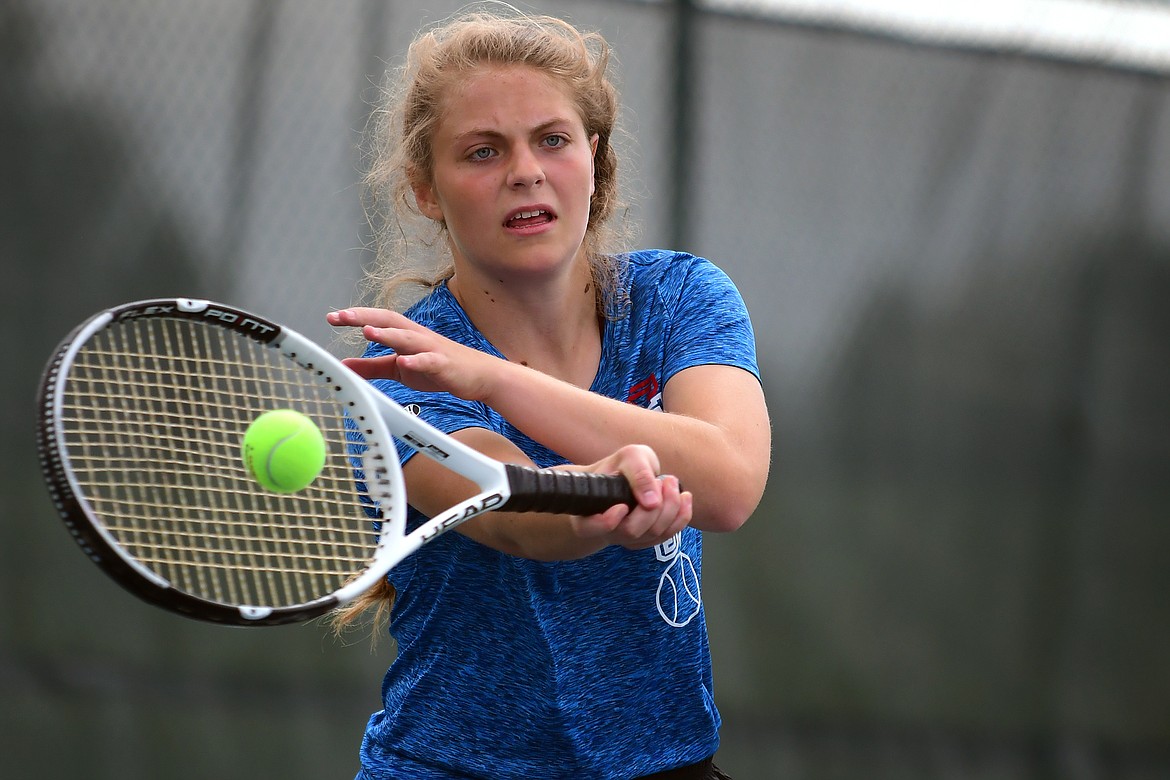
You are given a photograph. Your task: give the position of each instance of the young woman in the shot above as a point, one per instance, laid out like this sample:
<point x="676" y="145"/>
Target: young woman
<point x="542" y="646"/>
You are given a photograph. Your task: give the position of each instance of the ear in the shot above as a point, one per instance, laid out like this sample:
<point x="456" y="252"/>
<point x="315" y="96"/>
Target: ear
<point x="425" y="197"/>
<point x="428" y="203"/>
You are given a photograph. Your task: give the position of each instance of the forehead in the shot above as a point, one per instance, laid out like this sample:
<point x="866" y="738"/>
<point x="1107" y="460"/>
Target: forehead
<point x="505" y="95"/>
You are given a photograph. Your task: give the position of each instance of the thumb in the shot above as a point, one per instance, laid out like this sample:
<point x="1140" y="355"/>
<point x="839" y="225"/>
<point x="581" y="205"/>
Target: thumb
<point x="639" y="465"/>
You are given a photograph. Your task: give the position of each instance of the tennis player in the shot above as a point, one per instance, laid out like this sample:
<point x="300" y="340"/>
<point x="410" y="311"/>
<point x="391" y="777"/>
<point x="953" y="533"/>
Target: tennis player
<point x="540" y="647"/>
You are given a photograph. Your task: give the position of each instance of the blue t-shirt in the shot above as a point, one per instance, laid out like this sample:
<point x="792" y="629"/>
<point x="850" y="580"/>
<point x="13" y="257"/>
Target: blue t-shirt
<point x="509" y="668"/>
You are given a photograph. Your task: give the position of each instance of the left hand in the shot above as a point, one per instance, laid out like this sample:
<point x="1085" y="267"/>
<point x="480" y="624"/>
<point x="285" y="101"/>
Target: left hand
<point x="422" y="359"/>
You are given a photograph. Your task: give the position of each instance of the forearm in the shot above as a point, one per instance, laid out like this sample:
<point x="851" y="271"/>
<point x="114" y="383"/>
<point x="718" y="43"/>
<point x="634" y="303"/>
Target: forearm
<point x="662" y="510"/>
<point x="721" y="465"/>
<point x="540" y="537"/>
<point x="715" y="435"/>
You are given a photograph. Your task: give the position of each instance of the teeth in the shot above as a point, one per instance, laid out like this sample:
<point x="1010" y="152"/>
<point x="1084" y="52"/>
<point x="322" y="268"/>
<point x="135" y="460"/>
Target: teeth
<point x="530" y="214"/>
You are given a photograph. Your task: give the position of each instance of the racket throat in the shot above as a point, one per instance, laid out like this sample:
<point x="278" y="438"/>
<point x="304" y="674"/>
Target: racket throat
<point x="459" y="514"/>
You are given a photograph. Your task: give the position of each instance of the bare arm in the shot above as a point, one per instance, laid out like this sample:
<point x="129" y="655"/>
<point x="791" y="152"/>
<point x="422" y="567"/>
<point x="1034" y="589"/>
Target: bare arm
<point x="715" y="436"/>
<point x="662" y="510"/>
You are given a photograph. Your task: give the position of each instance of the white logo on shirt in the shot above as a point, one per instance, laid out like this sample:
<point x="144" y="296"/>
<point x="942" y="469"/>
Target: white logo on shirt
<point x="678" y="596"/>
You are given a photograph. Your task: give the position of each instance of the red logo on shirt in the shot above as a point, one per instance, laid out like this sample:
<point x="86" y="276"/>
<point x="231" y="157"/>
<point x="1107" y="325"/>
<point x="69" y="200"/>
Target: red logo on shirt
<point x="646" y="393"/>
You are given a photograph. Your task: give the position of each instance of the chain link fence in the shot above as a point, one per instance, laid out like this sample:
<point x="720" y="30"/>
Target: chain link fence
<point x="951" y="224"/>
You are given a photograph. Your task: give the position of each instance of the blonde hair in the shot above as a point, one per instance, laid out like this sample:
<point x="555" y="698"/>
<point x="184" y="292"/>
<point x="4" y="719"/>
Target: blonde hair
<point x="412" y="255"/>
<point x="411" y="252"/>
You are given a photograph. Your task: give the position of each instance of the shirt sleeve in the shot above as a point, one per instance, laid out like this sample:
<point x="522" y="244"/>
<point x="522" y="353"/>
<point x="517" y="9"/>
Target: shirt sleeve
<point x="710" y="323"/>
<point x="442" y="410"/>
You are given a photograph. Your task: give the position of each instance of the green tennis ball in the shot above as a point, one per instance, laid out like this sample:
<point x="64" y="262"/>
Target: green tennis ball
<point x="284" y="450"/>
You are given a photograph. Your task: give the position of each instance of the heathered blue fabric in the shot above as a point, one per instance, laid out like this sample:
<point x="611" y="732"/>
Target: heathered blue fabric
<point x="515" y="669"/>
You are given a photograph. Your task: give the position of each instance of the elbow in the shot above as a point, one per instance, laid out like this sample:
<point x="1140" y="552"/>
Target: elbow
<point x="736" y="487"/>
<point x="722" y="525"/>
<point x="726" y="519"/>
<point x="727" y="495"/>
<point x="730" y="509"/>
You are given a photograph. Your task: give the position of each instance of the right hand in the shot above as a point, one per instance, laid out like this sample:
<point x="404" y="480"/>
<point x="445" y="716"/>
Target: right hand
<point x="662" y="511"/>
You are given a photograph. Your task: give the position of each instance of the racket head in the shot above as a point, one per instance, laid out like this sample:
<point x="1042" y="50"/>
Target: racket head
<point x="142" y="411"/>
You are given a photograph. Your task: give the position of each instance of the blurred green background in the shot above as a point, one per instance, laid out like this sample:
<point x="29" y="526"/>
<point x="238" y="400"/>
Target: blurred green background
<point x="953" y="232"/>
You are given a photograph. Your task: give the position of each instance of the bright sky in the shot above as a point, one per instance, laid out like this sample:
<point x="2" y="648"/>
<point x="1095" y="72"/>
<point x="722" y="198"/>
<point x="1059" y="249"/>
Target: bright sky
<point x="1127" y="34"/>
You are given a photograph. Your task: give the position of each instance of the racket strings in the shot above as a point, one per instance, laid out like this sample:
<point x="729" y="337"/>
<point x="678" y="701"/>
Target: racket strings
<point x="154" y="415"/>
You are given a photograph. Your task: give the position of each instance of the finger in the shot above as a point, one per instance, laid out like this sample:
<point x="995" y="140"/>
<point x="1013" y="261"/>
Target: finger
<point x="639" y="465"/>
<point x="395" y="338"/>
<point x="358" y="316"/>
<point x="647" y="526"/>
<point x="676" y="515"/>
<point x="681" y="516"/>
<point x="602" y="524"/>
<point x="406" y="341"/>
<point x="670" y="508"/>
<point x="635" y="527"/>
<point x="381" y="367"/>
<point x="423" y="363"/>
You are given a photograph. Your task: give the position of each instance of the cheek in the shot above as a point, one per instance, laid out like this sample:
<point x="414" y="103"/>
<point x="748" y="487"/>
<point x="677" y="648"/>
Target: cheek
<point x="589" y="174"/>
<point x="450" y="200"/>
<point x="464" y="192"/>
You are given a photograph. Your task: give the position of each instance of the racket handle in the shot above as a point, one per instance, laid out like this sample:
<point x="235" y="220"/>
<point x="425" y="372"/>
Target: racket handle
<point x="565" y="492"/>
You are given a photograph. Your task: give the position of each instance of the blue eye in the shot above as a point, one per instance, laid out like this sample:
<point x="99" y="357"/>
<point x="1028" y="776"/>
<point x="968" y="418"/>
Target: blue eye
<point x="482" y="153"/>
<point x="555" y="141"/>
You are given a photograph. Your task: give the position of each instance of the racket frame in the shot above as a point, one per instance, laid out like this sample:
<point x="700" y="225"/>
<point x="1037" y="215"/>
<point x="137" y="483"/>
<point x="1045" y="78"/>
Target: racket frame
<point x="379" y="418"/>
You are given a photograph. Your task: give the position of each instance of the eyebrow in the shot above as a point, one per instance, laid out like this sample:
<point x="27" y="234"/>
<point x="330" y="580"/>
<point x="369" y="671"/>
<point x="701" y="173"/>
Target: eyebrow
<point x="487" y="132"/>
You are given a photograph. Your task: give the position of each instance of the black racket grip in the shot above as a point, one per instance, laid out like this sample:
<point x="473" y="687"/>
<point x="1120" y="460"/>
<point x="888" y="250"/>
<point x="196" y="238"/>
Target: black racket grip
<point x="565" y="492"/>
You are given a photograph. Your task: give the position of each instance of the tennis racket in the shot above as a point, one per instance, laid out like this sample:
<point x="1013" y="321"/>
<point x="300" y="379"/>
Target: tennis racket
<point x="142" y="410"/>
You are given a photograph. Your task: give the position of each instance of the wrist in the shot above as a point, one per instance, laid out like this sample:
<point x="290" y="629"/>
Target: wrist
<point x="497" y="384"/>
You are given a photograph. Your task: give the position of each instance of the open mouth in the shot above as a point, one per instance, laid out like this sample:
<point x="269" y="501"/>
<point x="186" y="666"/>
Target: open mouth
<point x="529" y="218"/>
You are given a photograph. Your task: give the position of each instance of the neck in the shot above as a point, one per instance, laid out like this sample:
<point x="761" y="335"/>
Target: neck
<point x="553" y="327"/>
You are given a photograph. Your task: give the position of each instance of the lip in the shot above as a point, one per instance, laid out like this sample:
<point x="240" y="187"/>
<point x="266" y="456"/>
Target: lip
<point x="516" y="212"/>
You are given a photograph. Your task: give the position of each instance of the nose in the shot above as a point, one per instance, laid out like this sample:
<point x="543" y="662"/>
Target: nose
<point x="525" y="170"/>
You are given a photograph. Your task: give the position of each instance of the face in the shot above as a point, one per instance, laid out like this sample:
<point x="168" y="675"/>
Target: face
<point x="513" y="174"/>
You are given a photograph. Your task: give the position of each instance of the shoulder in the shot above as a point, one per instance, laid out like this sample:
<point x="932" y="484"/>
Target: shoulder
<point x="663" y="275"/>
<point x="649" y="262"/>
<point x="665" y="265"/>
